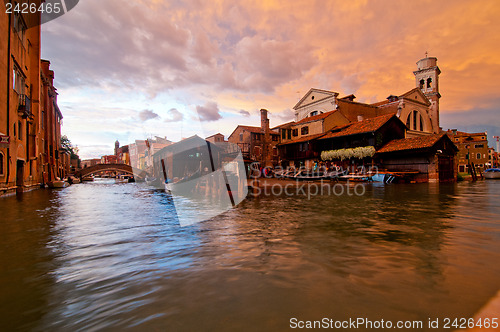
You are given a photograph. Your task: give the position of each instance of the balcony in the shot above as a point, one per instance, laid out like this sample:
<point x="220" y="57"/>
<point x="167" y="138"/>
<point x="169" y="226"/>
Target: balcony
<point x="24" y="108"/>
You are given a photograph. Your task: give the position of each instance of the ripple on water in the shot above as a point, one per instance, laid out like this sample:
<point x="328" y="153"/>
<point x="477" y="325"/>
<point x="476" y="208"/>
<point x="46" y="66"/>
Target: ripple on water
<point x="104" y="256"/>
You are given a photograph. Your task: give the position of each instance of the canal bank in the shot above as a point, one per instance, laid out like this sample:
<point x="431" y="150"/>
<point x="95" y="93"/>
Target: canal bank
<point x="113" y="256"/>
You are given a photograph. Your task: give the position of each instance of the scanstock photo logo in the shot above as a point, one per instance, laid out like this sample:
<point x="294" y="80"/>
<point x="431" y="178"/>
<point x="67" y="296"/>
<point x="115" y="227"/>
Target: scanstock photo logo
<point x="204" y="179"/>
<point x="37" y="12"/>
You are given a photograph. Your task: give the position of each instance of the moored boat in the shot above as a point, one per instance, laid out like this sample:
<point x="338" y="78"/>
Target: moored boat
<point x="73" y="180"/>
<point x="492" y="173"/>
<point x="88" y="179"/>
<point x="57" y="184"/>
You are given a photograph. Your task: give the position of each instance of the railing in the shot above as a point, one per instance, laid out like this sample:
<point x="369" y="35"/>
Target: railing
<point x="24" y="106"/>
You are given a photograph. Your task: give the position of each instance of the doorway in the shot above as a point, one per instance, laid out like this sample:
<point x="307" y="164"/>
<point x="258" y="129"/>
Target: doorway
<point x="20" y="176"/>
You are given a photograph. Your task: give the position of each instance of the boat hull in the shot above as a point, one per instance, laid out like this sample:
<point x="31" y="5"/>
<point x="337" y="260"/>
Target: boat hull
<point x="58" y="184"/>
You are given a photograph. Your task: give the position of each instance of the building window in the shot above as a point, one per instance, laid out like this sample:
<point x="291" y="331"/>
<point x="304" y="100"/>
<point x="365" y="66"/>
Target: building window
<point x="295" y="132"/>
<point x="479" y="146"/>
<point x="256" y="137"/>
<point x="421" y="84"/>
<point x="275" y="137"/>
<point x="415" y="121"/>
<point x="304" y="130"/>
<point x="19" y="130"/>
<point x="283" y="133"/>
<point x="241" y="137"/>
<point x="456" y="139"/>
<point x="1" y="164"/>
<point x="313" y="113"/>
<point x="429" y="83"/>
<point x="289" y="134"/>
<point x="19" y="82"/>
<point x="478" y="156"/>
<point x="20" y="27"/>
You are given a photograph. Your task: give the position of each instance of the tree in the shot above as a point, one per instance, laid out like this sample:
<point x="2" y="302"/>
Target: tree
<point x="66" y="144"/>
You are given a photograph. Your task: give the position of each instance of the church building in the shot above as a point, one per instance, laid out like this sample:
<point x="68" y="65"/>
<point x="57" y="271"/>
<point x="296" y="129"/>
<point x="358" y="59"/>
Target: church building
<point x="417" y="108"/>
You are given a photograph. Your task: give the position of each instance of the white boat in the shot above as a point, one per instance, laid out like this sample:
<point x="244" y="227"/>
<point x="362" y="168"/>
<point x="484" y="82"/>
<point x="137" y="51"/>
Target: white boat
<point x="492" y="173"/>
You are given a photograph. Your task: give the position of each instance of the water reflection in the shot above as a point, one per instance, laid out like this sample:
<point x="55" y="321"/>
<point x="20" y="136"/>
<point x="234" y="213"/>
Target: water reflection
<point x="108" y="256"/>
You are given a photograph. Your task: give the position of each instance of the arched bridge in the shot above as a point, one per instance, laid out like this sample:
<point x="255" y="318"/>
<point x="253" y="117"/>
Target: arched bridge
<point x="138" y="173"/>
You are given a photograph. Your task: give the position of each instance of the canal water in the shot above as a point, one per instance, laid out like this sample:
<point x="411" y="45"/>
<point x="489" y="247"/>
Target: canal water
<point x="106" y="256"/>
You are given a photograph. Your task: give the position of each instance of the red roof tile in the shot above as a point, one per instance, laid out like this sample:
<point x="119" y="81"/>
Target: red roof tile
<point x="251" y="129"/>
<point x="315" y="117"/>
<point x="411" y="143"/>
<point x="365" y="126"/>
<point x="284" y="125"/>
<point x="303" y="139"/>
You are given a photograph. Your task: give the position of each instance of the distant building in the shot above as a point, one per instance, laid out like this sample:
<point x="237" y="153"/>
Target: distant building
<point x="217" y="138"/>
<point x="153" y="146"/>
<point x="123" y="155"/>
<point x="472" y="149"/>
<point x="492" y="158"/>
<point x="90" y="162"/>
<point x="137" y="151"/>
<point x="111" y="159"/>
<point x="257" y="143"/>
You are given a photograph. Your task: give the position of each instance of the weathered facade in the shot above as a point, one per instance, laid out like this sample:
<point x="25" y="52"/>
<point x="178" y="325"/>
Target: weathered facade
<point x="306" y="151"/>
<point x="432" y="157"/>
<point x="217" y="138"/>
<point x="53" y="164"/>
<point x="30" y="153"/>
<point x="257" y="143"/>
<point x="472" y="149"/>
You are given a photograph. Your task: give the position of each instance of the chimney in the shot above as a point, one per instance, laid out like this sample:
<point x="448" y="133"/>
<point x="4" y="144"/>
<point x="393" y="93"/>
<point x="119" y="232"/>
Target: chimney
<point x="454" y="131"/>
<point x="264" y="121"/>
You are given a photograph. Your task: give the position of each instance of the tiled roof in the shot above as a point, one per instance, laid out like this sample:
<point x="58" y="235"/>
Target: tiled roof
<point x="414" y="143"/>
<point x="464" y="134"/>
<point x="256" y="130"/>
<point x="380" y="103"/>
<point x="303" y="139"/>
<point x="251" y="129"/>
<point x="284" y="125"/>
<point x="365" y="126"/>
<point x="316" y="117"/>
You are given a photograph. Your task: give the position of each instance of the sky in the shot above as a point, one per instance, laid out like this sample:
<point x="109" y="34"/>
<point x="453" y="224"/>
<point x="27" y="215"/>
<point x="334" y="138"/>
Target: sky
<point x="134" y="69"/>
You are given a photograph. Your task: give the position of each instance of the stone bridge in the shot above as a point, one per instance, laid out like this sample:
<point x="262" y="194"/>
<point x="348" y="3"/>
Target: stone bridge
<point x="138" y="173"/>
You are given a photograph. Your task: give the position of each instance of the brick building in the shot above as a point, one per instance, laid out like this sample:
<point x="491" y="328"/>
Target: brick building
<point x="30" y="153"/>
<point x="472" y="149"/>
<point x="257" y="143"/>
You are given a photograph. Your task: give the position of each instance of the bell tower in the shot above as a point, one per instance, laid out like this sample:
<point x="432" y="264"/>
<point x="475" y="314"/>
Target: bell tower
<point x="427" y="80"/>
